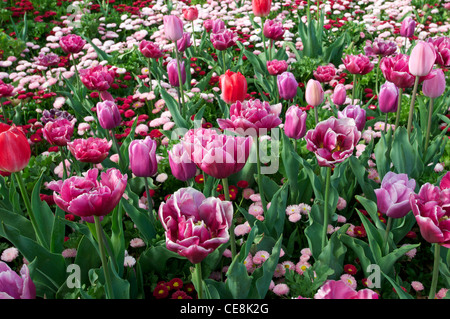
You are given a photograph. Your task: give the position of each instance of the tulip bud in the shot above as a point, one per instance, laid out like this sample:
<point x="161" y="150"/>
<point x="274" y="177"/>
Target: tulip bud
<point x="184" y="42"/>
<point x="388" y="98"/>
<point x="172" y="71"/>
<point x="422" y="59"/>
<point x="354" y="112"/>
<point x="233" y="86"/>
<point x="190" y="14"/>
<point x="435" y="86"/>
<point x="142" y="154"/>
<point x="273" y="30"/>
<point x="173" y="27"/>
<point x="16" y="151"/>
<point x="108" y="115"/>
<point x="181" y="164"/>
<point x="287" y="85"/>
<point x="295" y="124"/>
<point x="314" y="93"/>
<point x="276" y="67"/>
<point x="261" y="8"/>
<point x="407" y="27"/>
<point x="339" y="94"/>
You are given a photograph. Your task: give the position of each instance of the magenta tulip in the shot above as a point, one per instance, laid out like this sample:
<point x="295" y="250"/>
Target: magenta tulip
<point x="58" y="132"/>
<point x="358" y="64"/>
<point x="108" y="115"/>
<point x="325" y="73"/>
<point x="338" y="289"/>
<point x="173" y="27"/>
<point x="339" y="94"/>
<point x="6" y="90"/>
<point x="407" y="28"/>
<point x="195" y="225"/>
<point x="287" y="85"/>
<point x="394" y="194"/>
<point x="380" y="48"/>
<point x="72" y="43"/>
<point x="388" y="98"/>
<point x="97" y="78"/>
<point x="273" y="30"/>
<point x="184" y="42"/>
<point x="223" y="39"/>
<point x="150" y="49"/>
<point x="142" y="155"/>
<point x="172" y="71"/>
<point x="396" y="70"/>
<point x="181" y="164"/>
<point x="86" y="196"/>
<point x="91" y="150"/>
<point x="435" y="86"/>
<point x="13" y="286"/>
<point x="276" y="67"/>
<point x="442" y="47"/>
<point x="333" y="140"/>
<point x="314" y="93"/>
<point x="355" y="112"/>
<point x="422" y="59"/>
<point x="295" y="123"/>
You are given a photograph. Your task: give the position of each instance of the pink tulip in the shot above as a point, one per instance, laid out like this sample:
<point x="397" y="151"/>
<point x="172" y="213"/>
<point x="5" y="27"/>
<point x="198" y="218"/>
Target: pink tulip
<point x="91" y="150"/>
<point x="339" y="94"/>
<point x="195" y="225"/>
<point x="295" y="124"/>
<point x="422" y="59"/>
<point x="333" y="140"/>
<point x="314" y="93"/>
<point x="184" y="42"/>
<point x="6" y="90"/>
<point x="108" y="115"/>
<point x="273" y="30"/>
<point x="13" y="286"/>
<point x="407" y="28"/>
<point x="58" y="132"/>
<point x="338" y="289"/>
<point x="223" y="39"/>
<point x="442" y="47"/>
<point x="358" y="64"/>
<point x="214" y="25"/>
<point x="287" y="85"/>
<point x="181" y="164"/>
<point x="72" y="43"/>
<point x="435" y="86"/>
<point x="276" y="67"/>
<point x="97" y="78"/>
<point x="150" y="49"/>
<point x="142" y="155"/>
<point x="325" y="73"/>
<point x="380" y="48"/>
<point x="172" y="72"/>
<point x="388" y="98"/>
<point x="173" y="27"/>
<point x="255" y="115"/>
<point x="396" y="70"/>
<point x="355" y="112"/>
<point x="86" y="196"/>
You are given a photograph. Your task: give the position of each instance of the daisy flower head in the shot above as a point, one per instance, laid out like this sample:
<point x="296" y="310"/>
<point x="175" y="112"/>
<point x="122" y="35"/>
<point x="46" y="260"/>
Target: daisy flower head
<point x="9" y="254"/>
<point x="279" y="271"/>
<point x="349" y="280"/>
<point x="280" y="289"/>
<point x="304" y="208"/>
<point x="293" y="218"/>
<point x="288" y="265"/>
<point x="417" y="285"/>
<point x="301" y="266"/>
<point x="293" y="209"/>
<point x="260" y="257"/>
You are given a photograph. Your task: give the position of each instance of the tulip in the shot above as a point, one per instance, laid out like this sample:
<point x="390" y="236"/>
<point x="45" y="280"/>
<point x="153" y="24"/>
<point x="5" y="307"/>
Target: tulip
<point x="47" y="60"/>
<point x="276" y="67"/>
<point x="380" y="48"/>
<point x="6" y="90"/>
<point x="273" y="30"/>
<point x="396" y="70"/>
<point x="108" y="115"/>
<point x="55" y="114"/>
<point x="233" y="86"/>
<point x="13" y="286"/>
<point x="339" y="94"/>
<point x="358" y="64"/>
<point x="442" y="48"/>
<point x="72" y="43"/>
<point x="422" y="59"/>
<point x="295" y="123"/>
<point x="223" y="39"/>
<point x="314" y="96"/>
<point x="252" y="117"/>
<point x="150" y="50"/>
<point x="195" y="225"/>
<point x="142" y="154"/>
<point x="435" y="86"/>
<point x="325" y="73"/>
<point x="287" y="85"/>
<point x="261" y="8"/>
<point x="97" y="78"/>
<point x="86" y="196"/>
<point x="338" y="289"/>
<point x="214" y="25"/>
<point x="181" y="164"/>
<point x="173" y="27"/>
<point x="407" y="27"/>
<point x="91" y="150"/>
<point x="172" y="71"/>
<point x="355" y="112"/>
<point x="58" y="132"/>
<point x="388" y="98"/>
<point x="190" y="14"/>
<point x="184" y="42"/>
<point x="16" y="151"/>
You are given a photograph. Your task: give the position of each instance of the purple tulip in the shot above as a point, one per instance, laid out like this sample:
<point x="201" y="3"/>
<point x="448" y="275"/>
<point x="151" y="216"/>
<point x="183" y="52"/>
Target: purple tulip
<point x="13" y="286"/>
<point x="72" y="43"/>
<point x="422" y="59"/>
<point x="223" y="39"/>
<point x="380" y="48"/>
<point x="47" y="60"/>
<point x="172" y="71"/>
<point x="357" y="64"/>
<point x="195" y="225"/>
<point x="339" y="94"/>
<point x="218" y="155"/>
<point x="58" y="132"/>
<point x="442" y="48"/>
<point x="407" y="28"/>
<point x="287" y="85"/>
<point x="355" y="112"/>
<point x="435" y="86"/>
<point x="295" y="124"/>
<point x="142" y="154"/>
<point x="150" y="49"/>
<point x="314" y="93"/>
<point x="430" y="207"/>
<point x="184" y="42"/>
<point x="97" y="78"/>
<point x="254" y="115"/>
<point x="173" y="27"/>
<point x="333" y="140"/>
<point x="181" y="164"/>
<point x="393" y="196"/>
<point x="108" y="115"/>
<point x="273" y="30"/>
<point x="276" y="67"/>
<point x="388" y="97"/>
<point x="86" y="196"/>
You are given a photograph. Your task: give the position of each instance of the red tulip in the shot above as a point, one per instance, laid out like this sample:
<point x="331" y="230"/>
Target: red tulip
<point x="261" y="8"/>
<point x="233" y="86"/>
<point x="190" y="14"/>
<point x="15" y="151"/>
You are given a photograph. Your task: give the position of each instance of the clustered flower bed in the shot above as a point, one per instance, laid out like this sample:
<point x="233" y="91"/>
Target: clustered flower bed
<point x="224" y="150"/>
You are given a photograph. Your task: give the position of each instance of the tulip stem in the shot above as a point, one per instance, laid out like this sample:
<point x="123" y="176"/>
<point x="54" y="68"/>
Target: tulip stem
<point x="399" y="106"/>
<point x="149" y="202"/>
<point x="226" y="192"/>
<point x="260" y="187"/>
<point x="193" y="38"/>
<point x="434" y="280"/>
<point x="116" y="143"/>
<point x="179" y="78"/>
<point x="326" y="212"/>
<point x="316" y="114"/>
<point x="430" y="115"/>
<point x="223" y="62"/>
<point x="63" y="157"/>
<point x="263" y="19"/>
<point x="199" y="288"/>
<point x="26" y="199"/>
<point x="76" y="69"/>
<point x="354" y="89"/>
<point x="386" y="234"/>
<point x="411" y="107"/>
<point x="386" y="122"/>
<point x="101" y="248"/>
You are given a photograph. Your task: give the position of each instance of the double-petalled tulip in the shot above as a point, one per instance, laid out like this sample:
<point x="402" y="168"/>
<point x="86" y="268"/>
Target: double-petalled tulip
<point x="91" y="150"/>
<point x="261" y="8"/>
<point x="85" y="196"/>
<point x="233" y="86"/>
<point x="181" y="164"/>
<point x="435" y="86"/>
<point x="72" y="43"/>
<point x="173" y="27"/>
<point x="396" y="70"/>
<point x="195" y="225"/>
<point x="314" y="93"/>
<point x="358" y="64"/>
<point x="287" y="85"/>
<point x="276" y="67"/>
<point x="380" y="48"/>
<point x="422" y="59"/>
<point x="407" y="27"/>
<point x="150" y="49"/>
<point x="223" y="39"/>
<point x="442" y="48"/>
<point x="333" y="140"/>
<point x="355" y="112"/>
<point x="142" y="155"/>
<point x="13" y="286"/>
<point x="172" y="71"/>
<point x="58" y="132"/>
<point x="273" y="30"/>
<point x="388" y="98"/>
<point x="325" y="73"/>
<point x="295" y="123"/>
<point x="15" y="150"/>
<point x="108" y="115"/>
<point x="97" y="78"/>
<point x="339" y="94"/>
